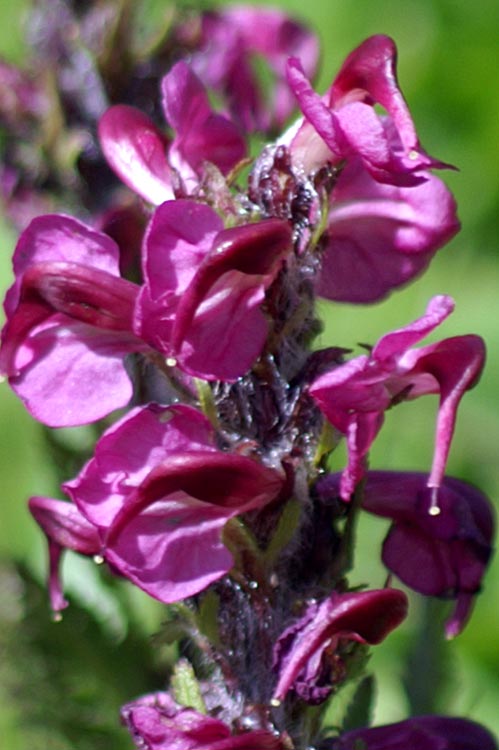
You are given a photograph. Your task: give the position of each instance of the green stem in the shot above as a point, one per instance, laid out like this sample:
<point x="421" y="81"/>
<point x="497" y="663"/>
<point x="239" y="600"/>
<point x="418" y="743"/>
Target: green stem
<point x="428" y="674"/>
<point x="344" y="558"/>
<point x="207" y="402"/>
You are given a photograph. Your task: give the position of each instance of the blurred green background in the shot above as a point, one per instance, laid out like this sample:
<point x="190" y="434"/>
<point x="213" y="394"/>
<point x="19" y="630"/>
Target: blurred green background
<point x="448" y="70"/>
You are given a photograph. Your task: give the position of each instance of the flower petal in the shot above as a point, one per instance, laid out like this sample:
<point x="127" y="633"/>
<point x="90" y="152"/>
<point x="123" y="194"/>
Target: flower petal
<point x="136" y="150"/>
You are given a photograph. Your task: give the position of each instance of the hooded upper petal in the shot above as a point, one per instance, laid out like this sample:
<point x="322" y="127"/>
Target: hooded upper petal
<point x="166" y="537"/>
<point x="201" y="134"/>
<point x="121" y="462"/>
<point x="349" y="126"/>
<point x="366" y="617"/>
<point x="204" y="287"/>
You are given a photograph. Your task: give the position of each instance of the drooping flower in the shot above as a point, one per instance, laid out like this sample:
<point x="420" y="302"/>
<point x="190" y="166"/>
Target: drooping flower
<point x="65" y="528"/>
<point x="204" y="288"/>
<point x="153" y="501"/>
<point x="355" y="396"/>
<point x="69" y="323"/>
<point x="156" y="722"/>
<point x="381" y="236"/>
<point x="344" y="124"/>
<point x="304" y="655"/>
<point x="417" y="733"/>
<point x="230" y="41"/>
<point x="145" y="159"/>
<point x="443" y="555"/>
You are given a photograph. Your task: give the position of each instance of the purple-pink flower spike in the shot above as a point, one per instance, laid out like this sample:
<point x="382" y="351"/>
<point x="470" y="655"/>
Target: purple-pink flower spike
<point x="190" y="305"/>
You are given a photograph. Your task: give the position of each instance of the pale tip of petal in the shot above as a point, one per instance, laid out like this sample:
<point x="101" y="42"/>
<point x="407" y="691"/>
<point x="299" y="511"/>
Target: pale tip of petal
<point x="98" y="559"/>
<point x="434" y="509"/>
<point x="171" y="362"/>
<point x="56" y="616"/>
<point x="275" y="702"/>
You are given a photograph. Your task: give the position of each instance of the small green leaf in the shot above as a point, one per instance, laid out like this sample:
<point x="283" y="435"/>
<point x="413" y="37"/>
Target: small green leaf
<point x="328" y="441"/>
<point x="206" y="401"/>
<point x="208" y="617"/>
<point x="185" y="687"/>
<point x="288" y="523"/>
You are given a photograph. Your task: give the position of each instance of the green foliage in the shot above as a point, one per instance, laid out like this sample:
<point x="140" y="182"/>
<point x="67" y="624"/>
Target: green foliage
<point x="360" y="710"/>
<point x="64" y="682"/>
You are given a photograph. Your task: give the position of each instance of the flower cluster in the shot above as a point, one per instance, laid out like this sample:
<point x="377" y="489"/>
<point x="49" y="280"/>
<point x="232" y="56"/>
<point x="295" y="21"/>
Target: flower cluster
<point x="213" y="478"/>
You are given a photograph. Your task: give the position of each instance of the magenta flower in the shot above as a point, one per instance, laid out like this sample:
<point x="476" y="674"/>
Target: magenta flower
<point x="344" y="124"/>
<point x="305" y="654"/>
<point x="69" y="323"/>
<point x="147" y="162"/>
<point x="417" y="733"/>
<point x="156" y="722"/>
<point x="381" y="236"/>
<point x="230" y="41"/>
<point x="443" y="555"/>
<point x="355" y="396"/>
<point x="153" y="502"/>
<point x="204" y="287"/>
<point x="71" y="319"/>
